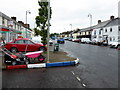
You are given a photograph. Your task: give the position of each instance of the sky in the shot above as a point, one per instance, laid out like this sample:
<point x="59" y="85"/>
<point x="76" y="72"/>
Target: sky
<point x="66" y="14"/>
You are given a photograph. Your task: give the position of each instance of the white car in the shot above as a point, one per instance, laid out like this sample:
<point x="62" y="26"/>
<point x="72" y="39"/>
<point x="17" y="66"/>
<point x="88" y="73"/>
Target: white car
<point x="85" y="40"/>
<point x="115" y="44"/>
<point x="50" y="42"/>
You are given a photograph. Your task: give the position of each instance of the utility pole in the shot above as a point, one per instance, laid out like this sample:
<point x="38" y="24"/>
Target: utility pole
<point x="26" y="20"/>
<point x="89" y="15"/>
<point x="48" y="31"/>
<point x="71" y="26"/>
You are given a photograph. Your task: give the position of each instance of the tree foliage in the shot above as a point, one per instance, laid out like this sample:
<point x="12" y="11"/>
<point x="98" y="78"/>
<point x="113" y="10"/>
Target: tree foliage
<point x="37" y="32"/>
<point x="41" y="20"/>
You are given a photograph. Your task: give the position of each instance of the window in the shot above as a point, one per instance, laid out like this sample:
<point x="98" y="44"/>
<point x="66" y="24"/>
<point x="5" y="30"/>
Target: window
<point x="15" y="25"/>
<point x="110" y="39"/>
<point x="105" y="30"/>
<point x="113" y="38"/>
<point x="119" y="28"/>
<point x="28" y="42"/>
<point x="3" y="21"/>
<point x="89" y="33"/>
<point x="95" y="32"/>
<point x="19" y="42"/>
<point x="99" y="32"/>
<point x="110" y="29"/>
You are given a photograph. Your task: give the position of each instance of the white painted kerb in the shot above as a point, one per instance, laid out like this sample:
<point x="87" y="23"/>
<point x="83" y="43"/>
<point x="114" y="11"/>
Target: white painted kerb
<point x="36" y="65"/>
<point x="77" y="61"/>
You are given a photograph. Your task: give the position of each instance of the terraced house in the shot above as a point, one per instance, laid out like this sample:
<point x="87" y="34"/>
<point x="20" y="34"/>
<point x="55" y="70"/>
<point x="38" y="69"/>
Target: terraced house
<point x="11" y="29"/>
<point x="107" y="31"/>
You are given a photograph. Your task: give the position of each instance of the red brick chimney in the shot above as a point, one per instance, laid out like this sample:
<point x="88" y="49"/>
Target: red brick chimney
<point x="27" y="25"/>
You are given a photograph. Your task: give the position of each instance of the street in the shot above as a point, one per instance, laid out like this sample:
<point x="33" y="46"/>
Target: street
<point x="98" y="68"/>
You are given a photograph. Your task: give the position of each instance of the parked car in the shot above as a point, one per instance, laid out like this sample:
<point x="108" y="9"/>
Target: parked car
<point x="115" y="44"/>
<point x="50" y="42"/>
<point x="70" y="39"/>
<point x="24" y="44"/>
<point x="53" y="38"/>
<point x="105" y="43"/>
<point x="61" y="41"/>
<point x="76" y="40"/>
<point x="66" y="38"/>
<point x="85" y="40"/>
<point x="94" y="41"/>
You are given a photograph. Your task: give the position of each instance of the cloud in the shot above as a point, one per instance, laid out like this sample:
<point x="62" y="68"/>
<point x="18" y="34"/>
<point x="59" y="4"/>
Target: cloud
<point x="64" y="12"/>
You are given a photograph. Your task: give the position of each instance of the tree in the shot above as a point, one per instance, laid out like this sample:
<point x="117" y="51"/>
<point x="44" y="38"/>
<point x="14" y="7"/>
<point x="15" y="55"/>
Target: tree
<point x="54" y="34"/>
<point x="37" y="32"/>
<point x="41" y="20"/>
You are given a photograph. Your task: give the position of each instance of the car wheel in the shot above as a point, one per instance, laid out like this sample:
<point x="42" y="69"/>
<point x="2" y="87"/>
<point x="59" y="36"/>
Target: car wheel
<point x="42" y="49"/>
<point x="13" y="50"/>
<point x="14" y="63"/>
<point x="118" y="46"/>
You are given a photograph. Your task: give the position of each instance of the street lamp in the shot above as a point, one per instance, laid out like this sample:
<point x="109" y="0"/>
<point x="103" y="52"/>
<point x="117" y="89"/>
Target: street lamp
<point x="26" y="20"/>
<point x="89" y="15"/>
<point x="71" y="26"/>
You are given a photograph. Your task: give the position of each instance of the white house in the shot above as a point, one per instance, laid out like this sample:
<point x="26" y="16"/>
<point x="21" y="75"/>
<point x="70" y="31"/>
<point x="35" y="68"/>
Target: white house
<point x="97" y="32"/>
<point x="10" y="28"/>
<point x="112" y="30"/>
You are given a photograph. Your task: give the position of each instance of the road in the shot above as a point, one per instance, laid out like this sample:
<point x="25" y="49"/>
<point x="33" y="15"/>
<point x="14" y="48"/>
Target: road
<point x="98" y="64"/>
<point x="98" y="68"/>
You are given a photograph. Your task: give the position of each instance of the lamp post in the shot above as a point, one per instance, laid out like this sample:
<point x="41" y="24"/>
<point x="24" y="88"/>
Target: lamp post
<point x="48" y="32"/>
<point x="26" y="20"/>
<point x="89" y="15"/>
<point x="71" y="26"/>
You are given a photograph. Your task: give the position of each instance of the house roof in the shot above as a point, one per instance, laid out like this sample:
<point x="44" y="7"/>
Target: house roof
<point x="102" y="24"/>
<point x="114" y="22"/>
<point x="99" y="25"/>
<point x="86" y="29"/>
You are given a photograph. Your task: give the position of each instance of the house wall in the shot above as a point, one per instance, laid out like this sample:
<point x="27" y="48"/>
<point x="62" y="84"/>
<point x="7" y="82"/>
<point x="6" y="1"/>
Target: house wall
<point x="0" y="21"/>
<point x="119" y="9"/>
<point x="97" y="34"/>
<point x="112" y="36"/>
<point x="5" y="21"/>
<point x="75" y="35"/>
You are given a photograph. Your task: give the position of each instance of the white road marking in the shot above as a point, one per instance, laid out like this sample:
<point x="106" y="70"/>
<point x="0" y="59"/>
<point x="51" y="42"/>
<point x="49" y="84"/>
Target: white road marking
<point x="78" y="79"/>
<point x="73" y="73"/>
<point x="84" y="85"/>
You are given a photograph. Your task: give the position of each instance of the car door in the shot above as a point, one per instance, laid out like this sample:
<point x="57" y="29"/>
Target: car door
<point x="20" y="45"/>
<point x="31" y="46"/>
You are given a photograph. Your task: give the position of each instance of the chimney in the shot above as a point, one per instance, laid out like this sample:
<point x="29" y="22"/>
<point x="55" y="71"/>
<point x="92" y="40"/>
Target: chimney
<point x="27" y="25"/>
<point x="112" y="17"/>
<point x="20" y="22"/>
<point x="99" y="21"/>
<point x="14" y="18"/>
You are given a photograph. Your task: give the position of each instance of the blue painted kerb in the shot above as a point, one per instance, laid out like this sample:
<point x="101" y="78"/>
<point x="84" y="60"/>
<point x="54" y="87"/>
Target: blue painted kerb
<point x="68" y="63"/>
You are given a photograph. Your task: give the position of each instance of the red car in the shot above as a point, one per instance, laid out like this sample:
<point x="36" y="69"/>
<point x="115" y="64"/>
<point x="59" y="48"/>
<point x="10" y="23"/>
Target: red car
<point x="24" y="44"/>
